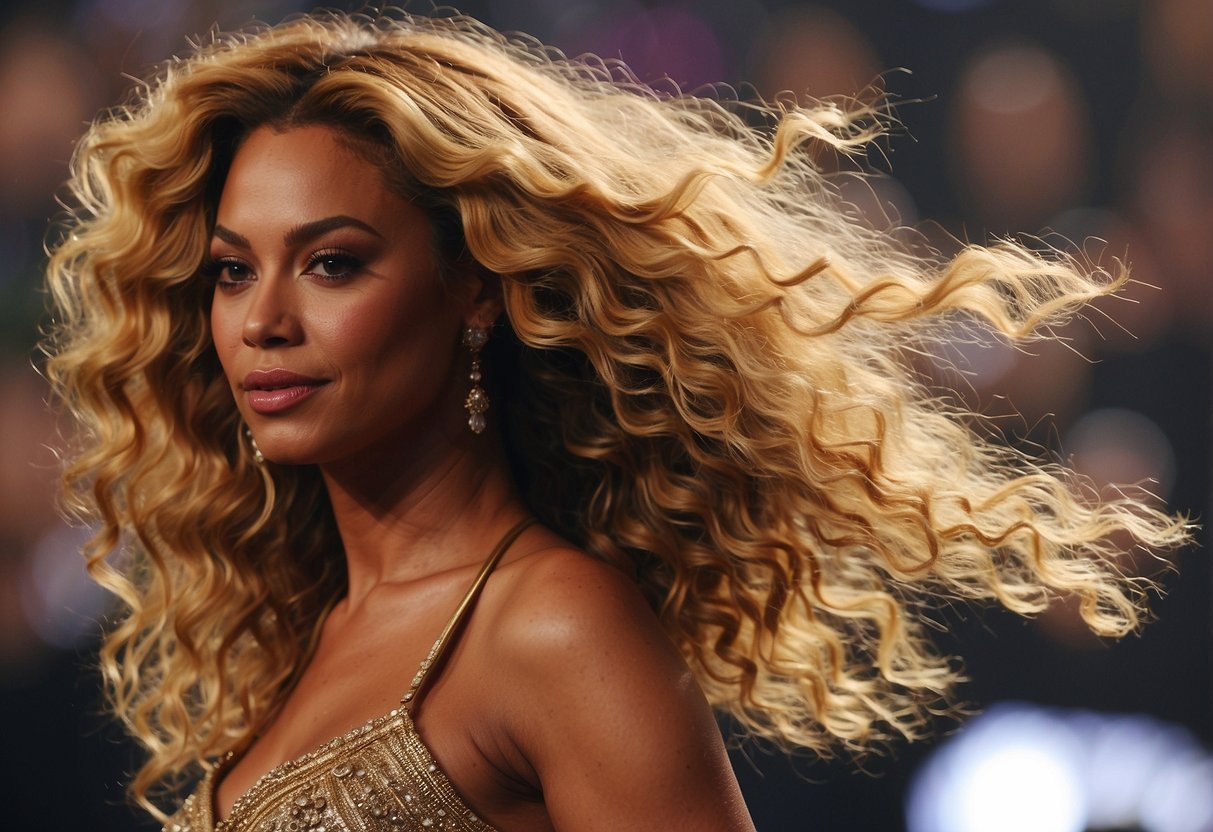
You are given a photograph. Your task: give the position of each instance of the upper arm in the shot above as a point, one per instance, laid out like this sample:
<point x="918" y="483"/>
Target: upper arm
<point x="606" y="712"/>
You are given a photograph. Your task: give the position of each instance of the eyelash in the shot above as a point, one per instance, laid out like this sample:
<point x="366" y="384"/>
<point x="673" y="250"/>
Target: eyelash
<point x="215" y="269"/>
<point x="346" y="263"/>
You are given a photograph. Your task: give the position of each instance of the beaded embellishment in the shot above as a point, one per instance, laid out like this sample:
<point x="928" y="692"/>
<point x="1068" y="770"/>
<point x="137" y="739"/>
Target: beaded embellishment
<point x="378" y="777"/>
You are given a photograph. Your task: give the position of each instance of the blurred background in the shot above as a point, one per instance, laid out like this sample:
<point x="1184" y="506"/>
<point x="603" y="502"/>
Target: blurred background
<point x="1084" y="120"/>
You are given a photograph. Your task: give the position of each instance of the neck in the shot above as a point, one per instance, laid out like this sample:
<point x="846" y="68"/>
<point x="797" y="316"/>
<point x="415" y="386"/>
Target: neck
<point x="422" y="510"/>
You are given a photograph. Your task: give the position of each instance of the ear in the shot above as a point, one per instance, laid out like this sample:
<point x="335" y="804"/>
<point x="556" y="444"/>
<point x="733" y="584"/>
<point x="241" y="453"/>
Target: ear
<point x="485" y="303"/>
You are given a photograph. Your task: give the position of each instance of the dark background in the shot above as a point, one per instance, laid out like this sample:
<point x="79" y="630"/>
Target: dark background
<point x="1091" y="118"/>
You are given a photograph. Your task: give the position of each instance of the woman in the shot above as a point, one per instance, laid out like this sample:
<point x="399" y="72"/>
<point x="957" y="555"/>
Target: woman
<point x="345" y="305"/>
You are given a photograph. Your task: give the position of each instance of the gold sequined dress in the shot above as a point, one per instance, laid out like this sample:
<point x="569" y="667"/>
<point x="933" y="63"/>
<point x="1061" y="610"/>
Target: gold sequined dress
<point x="379" y="777"/>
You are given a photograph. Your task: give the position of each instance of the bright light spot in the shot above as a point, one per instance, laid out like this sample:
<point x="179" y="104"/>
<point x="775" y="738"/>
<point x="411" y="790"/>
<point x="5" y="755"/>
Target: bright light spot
<point x="1013" y="768"/>
<point x="1021" y="787"/>
<point x="1180" y="798"/>
<point x="1022" y="767"/>
<point x="1125" y="752"/>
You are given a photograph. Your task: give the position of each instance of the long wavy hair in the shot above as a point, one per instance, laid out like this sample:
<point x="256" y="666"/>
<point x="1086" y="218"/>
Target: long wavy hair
<point x="710" y="373"/>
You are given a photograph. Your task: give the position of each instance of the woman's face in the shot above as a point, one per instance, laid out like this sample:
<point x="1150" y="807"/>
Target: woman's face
<point x="329" y="317"/>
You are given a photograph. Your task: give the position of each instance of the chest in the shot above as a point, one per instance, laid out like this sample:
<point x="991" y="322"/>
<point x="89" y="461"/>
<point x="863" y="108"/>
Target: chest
<point x="354" y="675"/>
<point x="375" y="778"/>
<point x="358" y="672"/>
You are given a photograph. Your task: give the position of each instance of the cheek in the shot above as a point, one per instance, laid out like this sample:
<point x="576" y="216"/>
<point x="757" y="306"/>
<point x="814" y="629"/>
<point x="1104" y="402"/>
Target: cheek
<point x="225" y="336"/>
<point x="409" y="339"/>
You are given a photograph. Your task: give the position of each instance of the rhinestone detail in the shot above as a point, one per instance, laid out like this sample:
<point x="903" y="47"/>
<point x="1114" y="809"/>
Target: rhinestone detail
<point x="382" y="768"/>
<point x="477" y="401"/>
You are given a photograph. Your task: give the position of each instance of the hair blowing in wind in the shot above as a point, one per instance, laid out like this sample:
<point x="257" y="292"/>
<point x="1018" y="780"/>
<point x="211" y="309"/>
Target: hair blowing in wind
<point x="712" y="386"/>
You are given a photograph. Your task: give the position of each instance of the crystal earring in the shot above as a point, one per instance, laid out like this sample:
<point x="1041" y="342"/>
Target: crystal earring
<point x="258" y="457"/>
<point x="474" y="338"/>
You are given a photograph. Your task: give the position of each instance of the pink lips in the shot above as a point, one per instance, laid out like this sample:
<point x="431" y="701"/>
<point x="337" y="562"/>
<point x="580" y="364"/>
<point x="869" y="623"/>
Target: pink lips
<point x="272" y="391"/>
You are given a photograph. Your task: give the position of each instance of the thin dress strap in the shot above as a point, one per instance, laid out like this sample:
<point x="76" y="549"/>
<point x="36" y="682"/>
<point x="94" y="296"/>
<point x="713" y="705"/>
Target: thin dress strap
<point x="469" y="598"/>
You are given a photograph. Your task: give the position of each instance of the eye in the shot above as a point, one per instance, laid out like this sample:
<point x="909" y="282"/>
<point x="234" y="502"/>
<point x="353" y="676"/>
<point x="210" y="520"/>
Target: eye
<point x="334" y="264"/>
<point x="228" y="272"/>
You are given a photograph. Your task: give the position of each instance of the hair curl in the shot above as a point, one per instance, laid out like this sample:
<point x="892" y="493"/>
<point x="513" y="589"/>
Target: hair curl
<point x="713" y="389"/>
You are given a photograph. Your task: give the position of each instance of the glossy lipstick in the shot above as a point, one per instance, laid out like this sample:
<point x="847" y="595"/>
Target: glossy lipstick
<point x="272" y="391"/>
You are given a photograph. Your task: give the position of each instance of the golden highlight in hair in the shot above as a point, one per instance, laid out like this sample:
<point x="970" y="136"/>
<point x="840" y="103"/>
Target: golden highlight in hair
<point x="710" y="384"/>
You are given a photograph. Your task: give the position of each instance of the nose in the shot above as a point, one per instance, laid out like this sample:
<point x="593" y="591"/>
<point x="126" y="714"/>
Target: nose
<point x="272" y="317"/>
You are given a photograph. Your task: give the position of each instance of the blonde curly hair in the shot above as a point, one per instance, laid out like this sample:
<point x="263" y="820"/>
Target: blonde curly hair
<point x="709" y="372"/>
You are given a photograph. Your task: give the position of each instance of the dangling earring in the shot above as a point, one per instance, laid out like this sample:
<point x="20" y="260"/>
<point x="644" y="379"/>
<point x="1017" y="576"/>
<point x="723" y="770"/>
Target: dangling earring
<point x="474" y="338"/>
<point x="258" y="457"/>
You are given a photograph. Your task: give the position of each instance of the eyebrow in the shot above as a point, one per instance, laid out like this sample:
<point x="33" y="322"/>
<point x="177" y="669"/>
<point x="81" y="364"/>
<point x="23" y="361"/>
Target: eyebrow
<point x="301" y="233"/>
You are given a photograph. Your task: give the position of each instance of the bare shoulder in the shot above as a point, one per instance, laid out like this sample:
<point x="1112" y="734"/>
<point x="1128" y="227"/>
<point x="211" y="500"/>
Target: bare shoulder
<point x="561" y="604"/>
<point x="576" y="582"/>
<point x="600" y="703"/>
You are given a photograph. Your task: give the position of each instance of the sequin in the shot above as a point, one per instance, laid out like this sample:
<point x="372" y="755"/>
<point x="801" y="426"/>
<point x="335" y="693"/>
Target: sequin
<point x="382" y="768"/>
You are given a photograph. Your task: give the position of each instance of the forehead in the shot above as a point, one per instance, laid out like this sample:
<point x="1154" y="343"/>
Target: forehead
<point x="306" y="169"/>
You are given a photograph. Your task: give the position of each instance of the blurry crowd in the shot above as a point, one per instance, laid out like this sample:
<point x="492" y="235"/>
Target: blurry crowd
<point x="1086" y="123"/>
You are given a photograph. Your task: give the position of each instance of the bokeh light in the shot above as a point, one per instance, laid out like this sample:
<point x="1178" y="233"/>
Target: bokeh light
<point x="48" y="92"/>
<point x="1120" y="446"/>
<point x="1010" y="770"/>
<point x="1023" y="137"/>
<point x="1173" y="190"/>
<point x="1024" y="767"/>
<point x="813" y="50"/>
<point x="660" y="42"/>
<point x="62" y="605"/>
<point x="1177" y="40"/>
